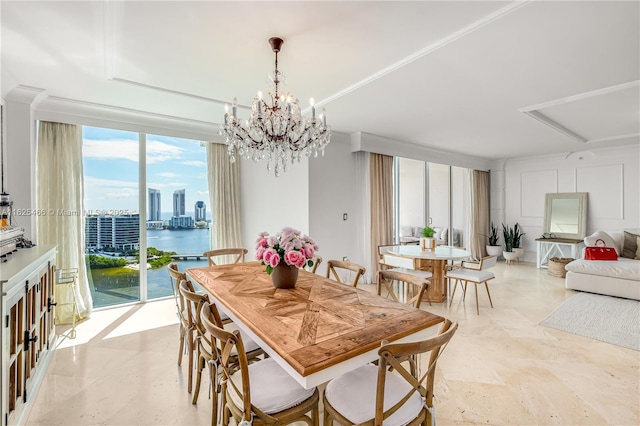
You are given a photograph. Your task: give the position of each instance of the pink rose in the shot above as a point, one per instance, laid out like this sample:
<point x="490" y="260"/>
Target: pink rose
<point x="308" y="251"/>
<point x="294" y="258"/>
<point x="274" y="260"/>
<point x="259" y="253"/>
<point x="268" y="254"/>
<point x="272" y="241"/>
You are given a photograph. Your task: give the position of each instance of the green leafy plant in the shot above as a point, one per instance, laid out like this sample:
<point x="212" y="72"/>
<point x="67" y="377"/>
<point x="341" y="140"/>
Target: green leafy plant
<point x="427" y="232"/>
<point x="517" y="235"/>
<point x="493" y="235"/>
<point x="512" y="236"/>
<point x="508" y="236"/>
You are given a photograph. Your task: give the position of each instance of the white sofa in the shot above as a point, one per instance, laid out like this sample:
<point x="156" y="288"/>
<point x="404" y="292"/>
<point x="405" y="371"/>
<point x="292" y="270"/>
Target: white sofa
<point x="620" y="278"/>
<point x="412" y="234"/>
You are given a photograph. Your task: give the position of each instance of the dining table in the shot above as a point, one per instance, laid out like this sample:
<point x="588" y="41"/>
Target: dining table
<point x="434" y="261"/>
<point x="317" y="330"/>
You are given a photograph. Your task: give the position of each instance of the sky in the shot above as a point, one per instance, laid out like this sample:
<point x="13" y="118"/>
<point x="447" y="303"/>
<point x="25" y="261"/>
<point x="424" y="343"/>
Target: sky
<point x="111" y="170"/>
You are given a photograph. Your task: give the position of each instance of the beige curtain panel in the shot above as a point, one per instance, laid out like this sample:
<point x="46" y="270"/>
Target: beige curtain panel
<point x="224" y="197"/>
<point x="480" y="213"/>
<point x="60" y="185"/>
<point x="381" y="172"/>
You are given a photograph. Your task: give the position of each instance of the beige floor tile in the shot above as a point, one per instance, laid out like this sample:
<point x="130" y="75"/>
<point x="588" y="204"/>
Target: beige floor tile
<point x="501" y="368"/>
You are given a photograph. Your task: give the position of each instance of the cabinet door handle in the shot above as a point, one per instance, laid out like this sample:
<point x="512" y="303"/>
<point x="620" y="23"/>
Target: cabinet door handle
<point x="27" y="339"/>
<point x="50" y="304"/>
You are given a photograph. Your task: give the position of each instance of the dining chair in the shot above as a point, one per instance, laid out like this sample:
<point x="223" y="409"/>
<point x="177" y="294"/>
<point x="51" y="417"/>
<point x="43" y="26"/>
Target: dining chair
<point x="260" y="394"/>
<point x="336" y="267"/>
<point x="475" y="273"/>
<point x="317" y="260"/>
<point x="418" y="280"/>
<point x="233" y="255"/>
<point x="176" y="277"/>
<point x="382" y="250"/>
<point x="387" y="393"/>
<point x="202" y="342"/>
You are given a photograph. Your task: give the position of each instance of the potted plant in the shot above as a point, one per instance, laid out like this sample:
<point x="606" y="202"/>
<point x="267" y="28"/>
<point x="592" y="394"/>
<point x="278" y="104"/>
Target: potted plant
<point x="517" y="235"/>
<point x="508" y="234"/>
<point x="427" y="242"/>
<point x="493" y="248"/>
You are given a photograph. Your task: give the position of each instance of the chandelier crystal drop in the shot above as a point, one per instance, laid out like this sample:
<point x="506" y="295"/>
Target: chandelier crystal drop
<point x="276" y="129"/>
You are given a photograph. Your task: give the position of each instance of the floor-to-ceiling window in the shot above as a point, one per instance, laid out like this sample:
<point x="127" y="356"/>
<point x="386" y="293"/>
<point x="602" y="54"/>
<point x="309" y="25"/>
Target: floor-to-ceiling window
<point x="141" y="215"/>
<point x="178" y="215"/>
<point x="432" y="194"/>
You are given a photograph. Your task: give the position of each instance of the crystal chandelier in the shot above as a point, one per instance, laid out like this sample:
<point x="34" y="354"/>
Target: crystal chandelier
<point x="275" y="130"/>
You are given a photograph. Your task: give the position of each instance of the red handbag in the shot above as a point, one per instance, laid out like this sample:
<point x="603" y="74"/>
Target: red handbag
<point x="600" y="252"/>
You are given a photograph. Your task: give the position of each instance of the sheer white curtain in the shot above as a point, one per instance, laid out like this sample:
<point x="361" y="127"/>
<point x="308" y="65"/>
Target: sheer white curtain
<point x="60" y="184"/>
<point x="224" y="197"/>
<point x="363" y="206"/>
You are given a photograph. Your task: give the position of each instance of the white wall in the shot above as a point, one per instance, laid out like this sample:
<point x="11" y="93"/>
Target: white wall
<point x="269" y="203"/>
<point x="332" y="193"/>
<point x="611" y="177"/>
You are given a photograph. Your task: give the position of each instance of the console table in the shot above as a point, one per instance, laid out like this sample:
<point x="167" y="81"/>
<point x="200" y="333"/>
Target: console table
<point x="561" y="247"/>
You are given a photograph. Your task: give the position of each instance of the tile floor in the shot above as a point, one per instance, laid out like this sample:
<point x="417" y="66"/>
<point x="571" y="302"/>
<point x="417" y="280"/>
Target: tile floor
<point x="501" y="367"/>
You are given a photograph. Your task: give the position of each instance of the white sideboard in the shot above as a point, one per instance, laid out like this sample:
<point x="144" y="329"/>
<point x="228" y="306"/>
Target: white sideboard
<point x="28" y="330"/>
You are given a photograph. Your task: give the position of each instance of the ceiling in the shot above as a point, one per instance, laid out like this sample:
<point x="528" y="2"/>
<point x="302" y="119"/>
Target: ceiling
<point x="488" y="79"/>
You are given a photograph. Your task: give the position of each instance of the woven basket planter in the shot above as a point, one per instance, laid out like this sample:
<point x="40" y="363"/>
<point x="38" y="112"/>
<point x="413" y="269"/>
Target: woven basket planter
<point x="556" y="266"/>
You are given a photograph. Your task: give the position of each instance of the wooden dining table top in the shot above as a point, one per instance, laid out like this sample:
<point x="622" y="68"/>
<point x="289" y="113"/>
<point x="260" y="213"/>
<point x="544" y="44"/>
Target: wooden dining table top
<point x="316" y="325"/>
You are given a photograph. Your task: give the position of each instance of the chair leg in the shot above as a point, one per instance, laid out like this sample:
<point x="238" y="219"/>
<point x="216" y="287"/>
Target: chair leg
<point x="181" y="346"/>
<point x="477" y="307"/>
<point x="190" y="349"/>
<point x="199" y="368"/>
<point x="455" y="285"/>
<point x="464" y="293"/>
<point x="488" y="294"/>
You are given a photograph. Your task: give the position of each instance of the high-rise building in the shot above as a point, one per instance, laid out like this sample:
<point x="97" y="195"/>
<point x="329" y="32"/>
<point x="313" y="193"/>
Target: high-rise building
<point x="119" y="231"/>
<point x="154" y="205"/>
<point x="178" y="202"/>
<point x="200" y="210"/>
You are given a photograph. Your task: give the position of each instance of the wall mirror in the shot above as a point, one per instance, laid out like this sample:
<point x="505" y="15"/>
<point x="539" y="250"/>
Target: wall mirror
<point x="566" y="215"/>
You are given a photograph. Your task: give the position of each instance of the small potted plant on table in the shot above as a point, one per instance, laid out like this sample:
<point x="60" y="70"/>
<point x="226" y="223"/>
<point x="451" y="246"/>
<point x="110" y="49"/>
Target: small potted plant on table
<point x="427" y="242"/>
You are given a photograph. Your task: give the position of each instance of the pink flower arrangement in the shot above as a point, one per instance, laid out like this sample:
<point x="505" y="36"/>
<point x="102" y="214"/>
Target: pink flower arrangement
<point x="288" y="246"/>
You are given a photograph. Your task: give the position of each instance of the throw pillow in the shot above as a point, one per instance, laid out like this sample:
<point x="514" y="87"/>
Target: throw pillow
<point x="418" y="231"/>
<point x="406" y="231"/>
<point x="638" y="249"/>
<point x="630" y="245"/>
<point x="591" y="240"/>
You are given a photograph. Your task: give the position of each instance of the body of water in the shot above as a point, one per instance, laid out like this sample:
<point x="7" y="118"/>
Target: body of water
<point x="113" y="286"/>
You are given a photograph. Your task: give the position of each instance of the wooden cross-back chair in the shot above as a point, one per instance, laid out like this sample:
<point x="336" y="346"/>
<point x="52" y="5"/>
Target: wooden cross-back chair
<point x="360" y="396"/>
<point x="232" y="255"/>
<point x="205" y="352"/>
<point x="272" y="398"/>
<point x="334" y="267"/>
<point x="176" y="278"/>
<point x="317" y="260"/>
<point x="418" y="280"/>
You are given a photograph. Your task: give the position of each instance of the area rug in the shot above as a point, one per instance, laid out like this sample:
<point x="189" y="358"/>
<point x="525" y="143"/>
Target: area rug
<point x="605" y="318"/>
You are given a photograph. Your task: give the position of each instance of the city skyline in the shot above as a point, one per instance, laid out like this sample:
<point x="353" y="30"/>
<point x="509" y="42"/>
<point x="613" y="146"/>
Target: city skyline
<point x="111" y="169"/>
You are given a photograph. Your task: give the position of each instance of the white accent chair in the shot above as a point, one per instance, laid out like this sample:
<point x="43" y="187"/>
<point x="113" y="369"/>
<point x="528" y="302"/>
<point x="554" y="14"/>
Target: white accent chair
<point x="475" y="273"/>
